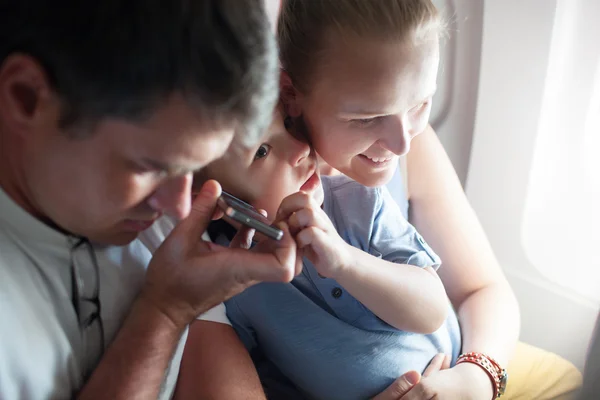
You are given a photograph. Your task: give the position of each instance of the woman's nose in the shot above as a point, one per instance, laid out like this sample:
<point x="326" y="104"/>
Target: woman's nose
<point x="397" y="136"/>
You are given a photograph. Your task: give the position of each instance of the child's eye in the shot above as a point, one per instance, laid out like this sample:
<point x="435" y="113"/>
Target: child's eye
<point x="262" y="151"/>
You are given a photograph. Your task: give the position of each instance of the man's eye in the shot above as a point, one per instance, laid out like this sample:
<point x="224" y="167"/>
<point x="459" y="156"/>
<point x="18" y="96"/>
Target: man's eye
<point x="143" y="169"/>
<point x="262" y="151"/>
<point x="365" y="122"/>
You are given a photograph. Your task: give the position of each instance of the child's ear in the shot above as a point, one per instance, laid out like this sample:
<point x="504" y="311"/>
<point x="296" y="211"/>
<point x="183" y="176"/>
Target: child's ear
<point x="289" y="96"/>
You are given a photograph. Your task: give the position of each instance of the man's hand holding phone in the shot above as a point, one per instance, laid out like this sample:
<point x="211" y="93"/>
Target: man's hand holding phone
<point x="187" y="276"/>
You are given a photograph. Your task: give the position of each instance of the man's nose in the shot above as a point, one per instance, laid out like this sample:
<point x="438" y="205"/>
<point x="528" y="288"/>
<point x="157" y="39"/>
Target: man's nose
<point x="174" y="197"/>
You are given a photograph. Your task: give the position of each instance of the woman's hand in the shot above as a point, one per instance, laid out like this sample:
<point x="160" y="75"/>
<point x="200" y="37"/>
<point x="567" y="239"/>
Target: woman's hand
<point x="463" y="381"/>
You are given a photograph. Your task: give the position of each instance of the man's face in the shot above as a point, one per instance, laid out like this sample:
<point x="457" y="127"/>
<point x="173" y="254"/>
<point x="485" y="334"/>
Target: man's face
<point x="114" y="182"/>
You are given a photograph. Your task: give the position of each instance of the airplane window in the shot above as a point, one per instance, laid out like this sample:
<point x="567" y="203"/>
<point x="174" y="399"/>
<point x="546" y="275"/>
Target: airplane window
<point x="561" y="225"/>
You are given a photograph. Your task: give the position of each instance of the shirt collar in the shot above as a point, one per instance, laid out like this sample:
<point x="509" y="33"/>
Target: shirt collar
<point x="19" y="220"/>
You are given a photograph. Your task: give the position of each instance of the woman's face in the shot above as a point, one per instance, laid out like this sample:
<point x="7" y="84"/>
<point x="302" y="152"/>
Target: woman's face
<point x="367" y="101"/>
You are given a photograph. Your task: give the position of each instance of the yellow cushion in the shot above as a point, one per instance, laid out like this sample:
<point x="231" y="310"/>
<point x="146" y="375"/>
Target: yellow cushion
<point x="537" y="374"/>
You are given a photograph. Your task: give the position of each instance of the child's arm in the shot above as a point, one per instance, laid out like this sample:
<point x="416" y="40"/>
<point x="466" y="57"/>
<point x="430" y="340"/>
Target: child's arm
<point x="407" y="297"/>
<point x="216" y="365"/>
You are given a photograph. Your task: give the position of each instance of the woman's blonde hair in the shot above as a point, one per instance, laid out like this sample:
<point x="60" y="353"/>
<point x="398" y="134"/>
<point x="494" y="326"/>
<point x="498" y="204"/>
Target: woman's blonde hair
<point x="306" y="25"/>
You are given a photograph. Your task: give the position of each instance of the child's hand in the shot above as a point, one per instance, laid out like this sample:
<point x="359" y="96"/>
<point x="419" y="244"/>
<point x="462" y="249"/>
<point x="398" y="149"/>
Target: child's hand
<point x="314" y="233"/>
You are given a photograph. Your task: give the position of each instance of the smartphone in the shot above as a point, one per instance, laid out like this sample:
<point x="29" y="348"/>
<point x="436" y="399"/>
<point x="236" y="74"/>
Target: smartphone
<point x="244" y="213"/>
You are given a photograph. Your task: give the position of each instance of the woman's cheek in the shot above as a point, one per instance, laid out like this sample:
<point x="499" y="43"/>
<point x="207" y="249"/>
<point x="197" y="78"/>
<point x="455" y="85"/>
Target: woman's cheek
<point x="420" y="125"/>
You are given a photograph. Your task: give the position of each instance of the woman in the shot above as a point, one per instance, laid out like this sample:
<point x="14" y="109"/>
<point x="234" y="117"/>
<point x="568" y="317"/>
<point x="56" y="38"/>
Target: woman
<point x="360" y="75"/>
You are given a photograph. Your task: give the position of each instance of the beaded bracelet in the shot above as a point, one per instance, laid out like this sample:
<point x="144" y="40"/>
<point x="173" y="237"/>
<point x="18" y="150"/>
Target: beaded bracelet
<point x="496" y="373"/>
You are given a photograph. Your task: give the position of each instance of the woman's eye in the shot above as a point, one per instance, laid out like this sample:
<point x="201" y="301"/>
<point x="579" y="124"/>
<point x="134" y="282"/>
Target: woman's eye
<point x="262" y="151"/>
<point x="421" y="106"/>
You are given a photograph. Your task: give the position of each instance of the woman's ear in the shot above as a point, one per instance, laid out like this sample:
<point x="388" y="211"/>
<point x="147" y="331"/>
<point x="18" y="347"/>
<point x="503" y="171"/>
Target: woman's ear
<point x="289" y="96"/>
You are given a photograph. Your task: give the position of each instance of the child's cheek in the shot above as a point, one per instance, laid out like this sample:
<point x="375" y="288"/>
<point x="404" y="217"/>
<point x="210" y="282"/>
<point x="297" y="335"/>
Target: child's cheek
<point x="267" y="206"/>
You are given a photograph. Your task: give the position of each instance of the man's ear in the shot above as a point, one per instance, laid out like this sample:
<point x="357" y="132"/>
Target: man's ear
<point x="290" y="97"/>
<point x="27" y="101"/>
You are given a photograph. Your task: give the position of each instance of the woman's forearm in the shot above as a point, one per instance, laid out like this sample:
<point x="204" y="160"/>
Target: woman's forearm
<point x="489" y="321"/>
<point x="407" y="297"/>
<point x="216" y="365"/>
<point x="487" y="309"/>
<point x="486" y="306"/>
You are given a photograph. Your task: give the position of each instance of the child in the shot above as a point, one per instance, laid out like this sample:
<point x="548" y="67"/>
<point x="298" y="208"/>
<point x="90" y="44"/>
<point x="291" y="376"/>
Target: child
<point x="363" y="310"/>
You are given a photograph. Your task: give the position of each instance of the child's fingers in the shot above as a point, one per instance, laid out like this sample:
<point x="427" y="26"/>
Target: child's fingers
<point x="310" y="236"/>
<point x="292" y="204"/>
<point x="435" y="364"/>
<point x="308" y="217"/>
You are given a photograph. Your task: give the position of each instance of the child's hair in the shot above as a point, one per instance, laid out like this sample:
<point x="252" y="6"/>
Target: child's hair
<point x="304" y="26"/>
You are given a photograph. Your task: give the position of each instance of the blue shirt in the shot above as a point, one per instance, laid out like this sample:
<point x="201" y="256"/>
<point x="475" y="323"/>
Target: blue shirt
<point x="396" y="188"/>
<point x="319" y="336"/>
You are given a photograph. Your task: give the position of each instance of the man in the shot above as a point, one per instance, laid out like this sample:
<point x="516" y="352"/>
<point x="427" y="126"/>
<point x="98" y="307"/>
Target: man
<point x="106" y="109"/>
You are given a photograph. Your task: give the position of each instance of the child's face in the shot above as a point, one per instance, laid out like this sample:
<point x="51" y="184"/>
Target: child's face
<point x="264" y="176"/>
<point x="368" y="101"/>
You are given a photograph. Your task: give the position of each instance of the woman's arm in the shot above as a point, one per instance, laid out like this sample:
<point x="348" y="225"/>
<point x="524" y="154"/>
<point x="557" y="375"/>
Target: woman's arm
<point x="486" y="306"/>
<point x="216" y="365"/>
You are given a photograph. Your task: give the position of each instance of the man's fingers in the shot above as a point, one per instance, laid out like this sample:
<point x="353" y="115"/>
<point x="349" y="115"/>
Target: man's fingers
<point x="400" y="387"/>
<point x="435" y="364"/>
<point x="250" y="267"/>
<point x="218" y="214"/>
<point x="245" y="235"/>
<point x="243" y="238"/>
<point x="281" y="264"/>
<point x="203" y="209"/>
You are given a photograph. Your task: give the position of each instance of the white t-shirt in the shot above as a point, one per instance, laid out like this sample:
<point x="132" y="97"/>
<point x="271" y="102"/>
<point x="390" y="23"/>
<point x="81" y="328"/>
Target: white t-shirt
<point x="42" y="351"/>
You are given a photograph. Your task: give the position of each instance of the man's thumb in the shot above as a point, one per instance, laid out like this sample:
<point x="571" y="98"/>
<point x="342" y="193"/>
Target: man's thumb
<point x="400" y="387"/>
<point x="203" y="208"/>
